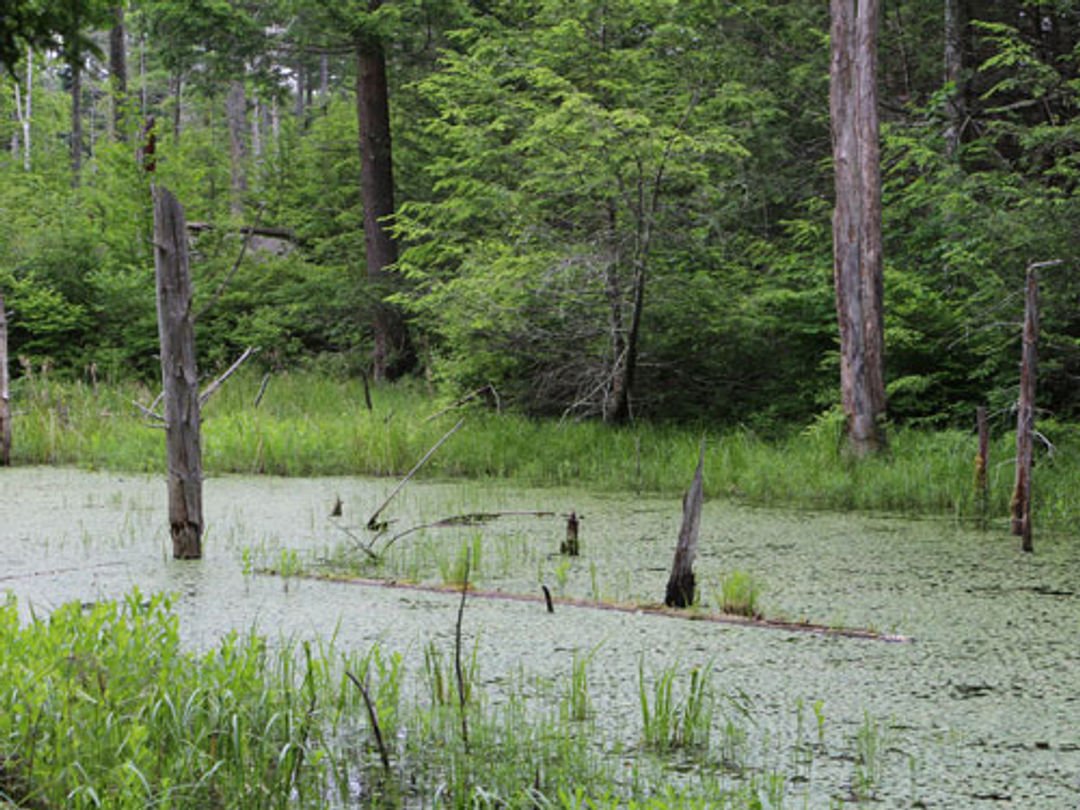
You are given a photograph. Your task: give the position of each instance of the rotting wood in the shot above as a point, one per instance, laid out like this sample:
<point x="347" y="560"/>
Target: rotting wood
<point x="680" y="587"/>
<point x="1025" y="412"/>
<point x="5" y="391"/>
<point x="570" y="545"/>
<point x="374" y="718"/>
<point x="469" y="519"/>
<point x="216" y="384"/>
<point x="262" y="390"/>
<point x="372" y="523"/>
<point x="179" y="375"/>
<point x="547" y="598"/>
<point x="458" y="671"/>
<point x="614" y="607"/>
<point x="152" y="413"/>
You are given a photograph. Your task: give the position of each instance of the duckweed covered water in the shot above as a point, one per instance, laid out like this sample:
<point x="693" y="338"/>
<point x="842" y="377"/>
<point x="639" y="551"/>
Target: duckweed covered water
<point x="982" y="709"/>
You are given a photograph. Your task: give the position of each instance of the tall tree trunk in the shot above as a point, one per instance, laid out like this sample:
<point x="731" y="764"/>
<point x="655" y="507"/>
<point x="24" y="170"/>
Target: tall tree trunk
<point x="236" y="113"/>
<point x="256" y="127"/>
<point x="301" y="79"/>
<point x="857" y="244"/>
<point x="27" y="117"/>
<point x="1025" y="413"/>
<point x="76" y="120"/>
<point x="377" y="193"/>
<point x="117" y="73"/>
<point x="5" y="391"/>
<point x="954" y="103"/>
<point x="22" y="112"/>
<point x="176" y="330"/>
<point x="324" y="78"/>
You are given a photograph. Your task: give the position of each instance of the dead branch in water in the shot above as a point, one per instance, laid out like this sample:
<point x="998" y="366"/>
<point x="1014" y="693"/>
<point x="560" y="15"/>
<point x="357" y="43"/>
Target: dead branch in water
<point x="457" y="650"/>
<point x="374" y="720"/>
<point x="371" y="524"/>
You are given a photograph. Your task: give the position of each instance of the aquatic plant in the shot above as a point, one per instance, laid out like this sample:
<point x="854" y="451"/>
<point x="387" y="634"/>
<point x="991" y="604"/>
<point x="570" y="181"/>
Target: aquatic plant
<point x="668" y="722"/>
<point x="871" y="744"/>
<point x="738" y="594"/>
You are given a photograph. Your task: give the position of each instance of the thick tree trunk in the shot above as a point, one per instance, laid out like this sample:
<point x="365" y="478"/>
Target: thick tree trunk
<point x="236" y="114"/>
<point x="377" y="193"/>
<point x="179" y="377"/>
<point x="76" y="121"/>
<point x="680" y="587"/>
<point x="857" y="244"/>
<point x="1025" y="414"/>
<point x="5" y="391"/>
<point x="118" y="73"/>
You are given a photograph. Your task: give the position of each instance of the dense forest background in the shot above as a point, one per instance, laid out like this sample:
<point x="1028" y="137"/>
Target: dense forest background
<point x="560" y="171"/>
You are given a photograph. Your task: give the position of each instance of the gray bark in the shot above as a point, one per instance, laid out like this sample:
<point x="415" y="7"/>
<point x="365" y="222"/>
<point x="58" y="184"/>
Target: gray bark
<point x="118" y="73"/>
<point x="76" y="121"/>
<point x="857" y="243"/>
<point x="179" y="376"/>
<point x="1025" y="414"/>
<point x="22" y="112"/>
<point x="5" y="391"/>
<point x="236" y="113"/>
<point x="954" y="104"/>
<point x="680" y="586"/>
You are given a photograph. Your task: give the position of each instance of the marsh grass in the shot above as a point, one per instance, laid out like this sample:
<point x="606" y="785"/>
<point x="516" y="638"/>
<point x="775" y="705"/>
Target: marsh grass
<point x="738" y="594"/>
<point x="314" y="425"/>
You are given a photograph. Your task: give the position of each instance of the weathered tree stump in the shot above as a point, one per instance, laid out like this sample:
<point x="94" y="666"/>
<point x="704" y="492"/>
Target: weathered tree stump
<point x="176" y="330"/>
<point x="570" y="545"/>
<point x="680" y="586"/>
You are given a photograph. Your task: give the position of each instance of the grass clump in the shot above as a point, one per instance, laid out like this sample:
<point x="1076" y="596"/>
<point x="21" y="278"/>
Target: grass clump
<point x="738" y="594"/>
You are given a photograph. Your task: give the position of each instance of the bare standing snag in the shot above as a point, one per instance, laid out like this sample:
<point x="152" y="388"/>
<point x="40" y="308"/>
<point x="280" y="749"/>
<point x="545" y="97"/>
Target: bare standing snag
<point x="680" y="587"/>
<point x="176" y="329"/>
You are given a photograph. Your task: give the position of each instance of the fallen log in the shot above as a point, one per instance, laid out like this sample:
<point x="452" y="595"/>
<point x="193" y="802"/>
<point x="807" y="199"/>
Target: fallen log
<point x="615" y="607"/>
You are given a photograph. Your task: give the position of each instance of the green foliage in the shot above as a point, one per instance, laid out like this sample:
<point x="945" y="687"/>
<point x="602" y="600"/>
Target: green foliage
<point x="102" y="707"/>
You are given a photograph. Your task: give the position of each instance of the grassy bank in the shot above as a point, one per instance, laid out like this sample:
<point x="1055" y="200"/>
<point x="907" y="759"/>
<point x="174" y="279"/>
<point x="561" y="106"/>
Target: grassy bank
<point x="100" y="706"/>
<point x="311" y="425"/>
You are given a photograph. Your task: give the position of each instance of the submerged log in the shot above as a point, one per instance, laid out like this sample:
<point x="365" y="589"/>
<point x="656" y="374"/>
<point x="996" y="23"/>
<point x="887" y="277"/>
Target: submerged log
<point x="680" y="587"/>
<point x="179" y="377"/>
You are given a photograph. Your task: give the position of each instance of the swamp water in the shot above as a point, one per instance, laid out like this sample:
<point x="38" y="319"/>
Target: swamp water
<point x="980" y="709"/>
